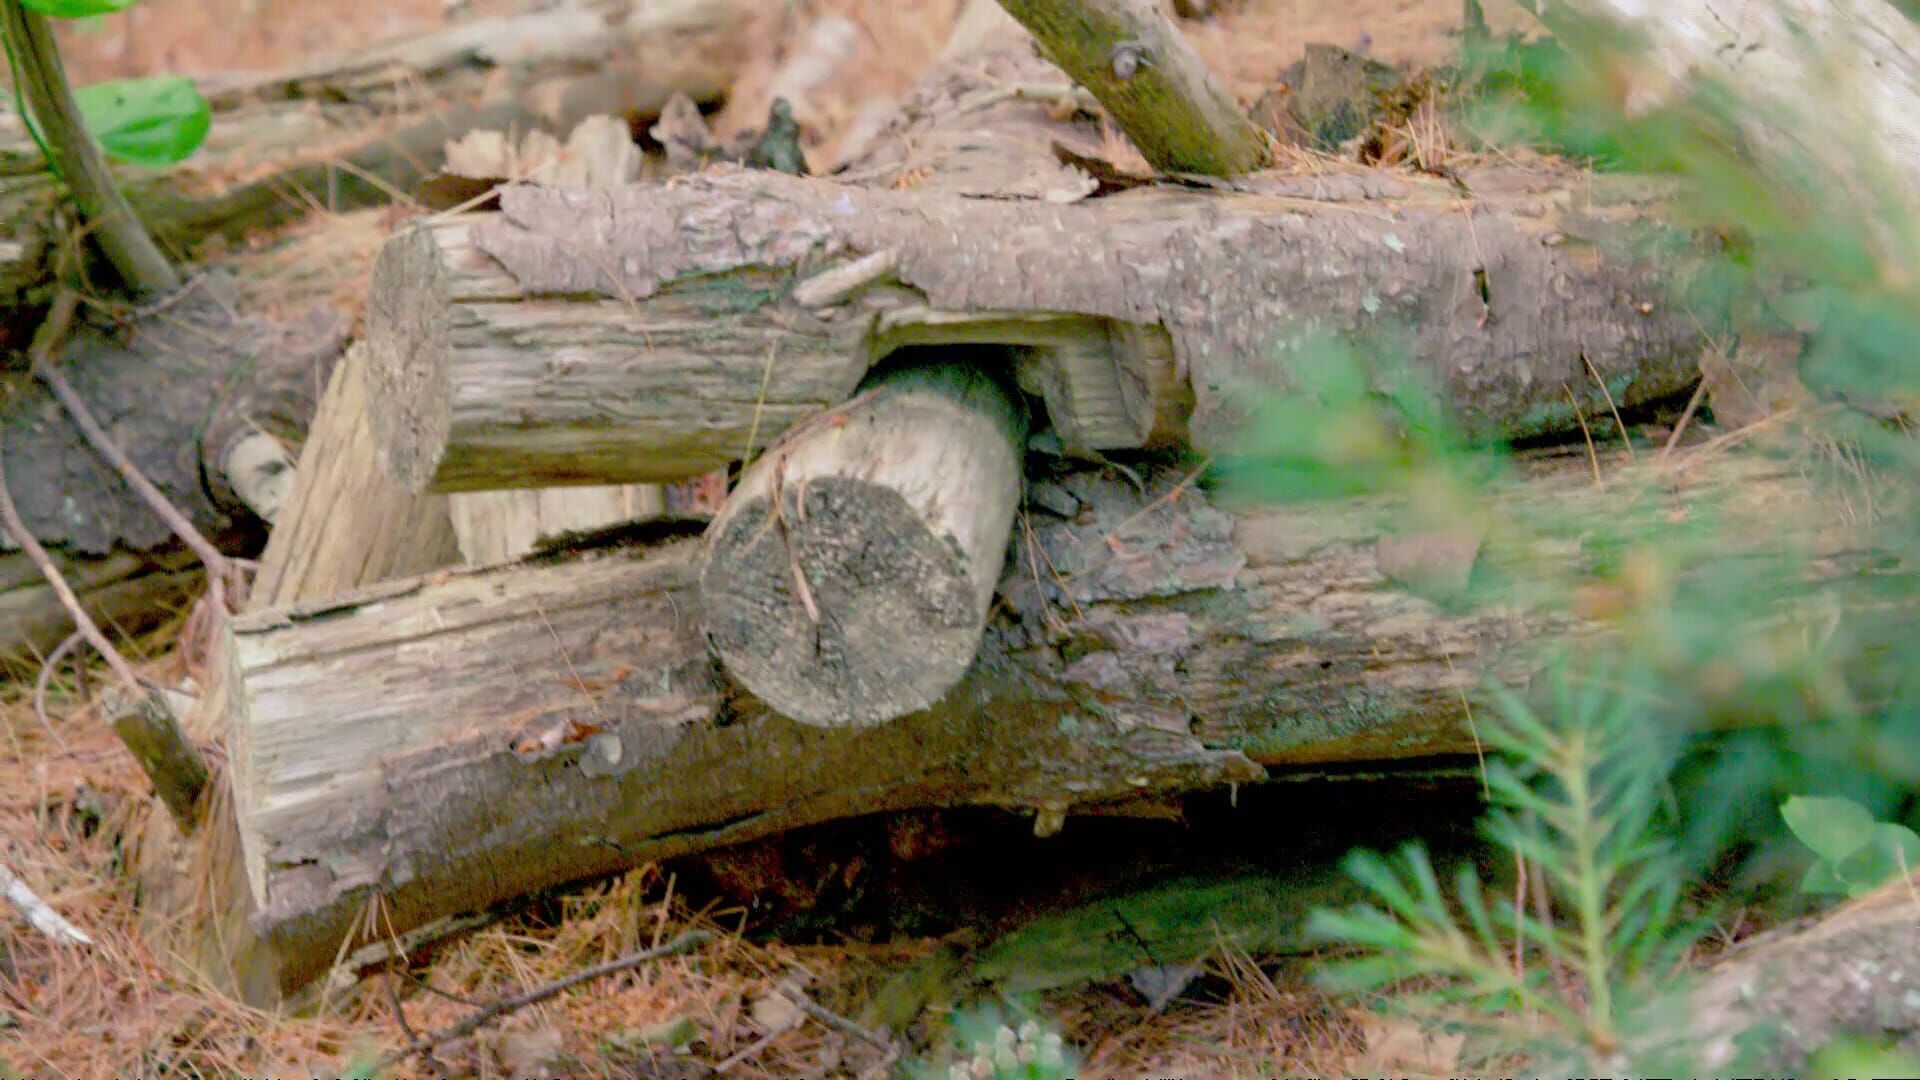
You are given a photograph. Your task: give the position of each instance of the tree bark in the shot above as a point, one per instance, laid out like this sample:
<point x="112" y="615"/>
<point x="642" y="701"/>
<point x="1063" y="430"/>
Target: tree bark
<point x="1772" y="1003"/>
<point x="1156" y="87"/>
<point x="451" y="741"/>
<point x="364" y="128"/>
<point x="849" y="574"/>
<point x="651" y="333"/>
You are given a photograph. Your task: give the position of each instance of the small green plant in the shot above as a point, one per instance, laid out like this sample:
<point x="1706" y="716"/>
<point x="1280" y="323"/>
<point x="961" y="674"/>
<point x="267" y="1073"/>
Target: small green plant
<point x="1576" y="795"/>
<point x="1854" y="854"/>
<point x="986" y="1045"/>
<point x="157" y="121"/>
<point x="154" y="121"/>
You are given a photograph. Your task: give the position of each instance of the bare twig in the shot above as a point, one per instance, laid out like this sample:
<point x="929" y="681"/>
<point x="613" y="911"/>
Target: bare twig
<point x="1608" y="394"/>
<point x="220" y="570"/>
<point x="10" y="520"/>
<point x="1680" y="426"/>
<point x="1593" y="456"/>
<point x="47" y="668"/>
<point x="830" y="1018"/>
<point x="38" y="912"/>
<point x="750" y="1050"/>
<point x="538" y="994"/>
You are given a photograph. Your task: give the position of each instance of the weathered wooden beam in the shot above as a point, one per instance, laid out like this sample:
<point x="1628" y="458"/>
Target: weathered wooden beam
<point x="652" y="333"/>
<point x="1153" y="83"/>
<point x="363" y="128"/>
<point x="849" y="574"/>
<point x="450" y="741"/>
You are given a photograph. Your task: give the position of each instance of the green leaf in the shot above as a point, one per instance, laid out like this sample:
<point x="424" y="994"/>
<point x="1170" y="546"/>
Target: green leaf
<point x="157" y="121"/>
<point x="1820" y="880"/>
<point x="1890" y="851"/>
<point x="75" y="9"/>
<point x="1833" y="827"/>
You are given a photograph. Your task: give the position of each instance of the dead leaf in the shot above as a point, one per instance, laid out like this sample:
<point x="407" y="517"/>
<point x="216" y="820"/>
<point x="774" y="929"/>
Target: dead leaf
<point x="775" y="1013"/>
<point x="1399" y="1047"/>
<point x="535" y="1054"/>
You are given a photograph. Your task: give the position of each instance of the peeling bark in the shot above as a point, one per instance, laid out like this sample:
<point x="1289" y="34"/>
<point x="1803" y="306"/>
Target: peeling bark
<point x="645" y="334"/>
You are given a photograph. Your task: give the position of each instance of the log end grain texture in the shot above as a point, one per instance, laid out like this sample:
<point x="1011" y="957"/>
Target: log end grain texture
<point x="849" y="574"/>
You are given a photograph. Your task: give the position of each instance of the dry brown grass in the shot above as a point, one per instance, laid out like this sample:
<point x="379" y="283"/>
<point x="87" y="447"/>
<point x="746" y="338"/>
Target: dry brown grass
<point x="73" y="822"/>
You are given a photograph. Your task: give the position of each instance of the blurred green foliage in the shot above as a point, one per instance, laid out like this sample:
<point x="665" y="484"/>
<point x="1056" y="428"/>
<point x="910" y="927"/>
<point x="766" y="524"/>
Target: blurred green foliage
<point x="1751" y="688"/>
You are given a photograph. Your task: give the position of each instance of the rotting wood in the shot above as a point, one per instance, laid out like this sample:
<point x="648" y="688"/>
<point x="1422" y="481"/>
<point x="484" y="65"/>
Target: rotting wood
<point x="345" y="524"/>
<point x="363" y="128"/>
<point x="1154" y="84"/>
<point x="849" y="574"/>
<point x="649" y="334"/>
<point x="451" y="741"/>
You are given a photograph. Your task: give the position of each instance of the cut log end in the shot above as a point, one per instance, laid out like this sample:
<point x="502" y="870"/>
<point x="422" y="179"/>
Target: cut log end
<point x="849" y="576"/>
<point x="409" y="409"/>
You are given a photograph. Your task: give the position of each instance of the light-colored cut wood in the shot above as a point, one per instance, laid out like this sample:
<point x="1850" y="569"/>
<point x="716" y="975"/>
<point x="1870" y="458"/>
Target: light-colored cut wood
<point x="849" y="574"/>
<point x="344" y="524"/>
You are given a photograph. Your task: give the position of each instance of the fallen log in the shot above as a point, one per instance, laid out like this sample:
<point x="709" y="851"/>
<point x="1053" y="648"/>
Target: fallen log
<point x="652" y="333"/>
<point x="364" y="128"/>
<point x="848" y="575"/>
<point x="450" y="741"/>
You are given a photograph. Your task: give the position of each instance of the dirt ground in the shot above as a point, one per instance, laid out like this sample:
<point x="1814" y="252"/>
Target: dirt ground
<point x="77" y="825"/>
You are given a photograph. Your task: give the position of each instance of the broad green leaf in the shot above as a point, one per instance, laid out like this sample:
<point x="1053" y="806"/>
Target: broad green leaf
<point x="1889" y="850"/>
<point x="1820" y="880"/>
<point x="157" y="121"/>
<point x="1833" y="827"/>
<point x="75" y="9"/>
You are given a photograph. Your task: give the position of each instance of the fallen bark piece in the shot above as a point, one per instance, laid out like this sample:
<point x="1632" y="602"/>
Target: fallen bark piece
<point x="1157" y="88"/>
<point x="649" y="333"/>
<point x="849" y="574"/>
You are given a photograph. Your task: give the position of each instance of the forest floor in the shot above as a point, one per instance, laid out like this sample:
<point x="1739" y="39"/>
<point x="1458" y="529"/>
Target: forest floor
<point x="75" y="816"/>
